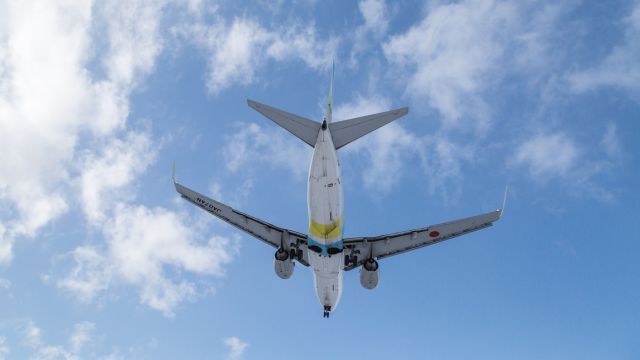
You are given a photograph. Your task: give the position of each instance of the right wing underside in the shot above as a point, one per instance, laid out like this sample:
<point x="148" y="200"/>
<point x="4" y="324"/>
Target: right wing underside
<point x="379" y="247"/>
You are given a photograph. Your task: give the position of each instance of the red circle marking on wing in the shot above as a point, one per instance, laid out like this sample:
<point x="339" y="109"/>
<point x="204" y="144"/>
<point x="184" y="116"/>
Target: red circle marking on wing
<point x="434" y="234"/>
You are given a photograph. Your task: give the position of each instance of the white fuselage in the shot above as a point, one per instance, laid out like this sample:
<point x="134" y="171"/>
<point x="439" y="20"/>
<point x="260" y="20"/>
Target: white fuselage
<point x="325" y="221"/>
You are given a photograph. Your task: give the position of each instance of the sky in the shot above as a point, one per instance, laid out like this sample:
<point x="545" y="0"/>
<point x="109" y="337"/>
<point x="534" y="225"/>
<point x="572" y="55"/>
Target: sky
<point x="101" y="259"/>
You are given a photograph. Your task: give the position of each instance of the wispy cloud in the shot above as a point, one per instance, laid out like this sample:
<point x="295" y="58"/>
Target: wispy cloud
<point x="621" y="67"/>
<point x="142" y="246"/>
<point x="375" y="14"/>
<point x="107" y="173"/>
<point x="238" y="49"/>
<point x="4" y="348"/>
<point x="81" y="336"/>
<point x="79" y="343"/>
<point x="556" y="156"/>
<point x="5" y="284"/>
<point x="386" y="150"/>
<point x="548" y="155"/>
<point x="450" y="56"/>
<point x="610" y="142"/>
<point x="236" y="347"/>
<point x="267" y="145"/>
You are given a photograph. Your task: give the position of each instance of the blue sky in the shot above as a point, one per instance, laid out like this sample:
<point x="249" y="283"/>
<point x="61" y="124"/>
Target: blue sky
<point x="100" y="259"/>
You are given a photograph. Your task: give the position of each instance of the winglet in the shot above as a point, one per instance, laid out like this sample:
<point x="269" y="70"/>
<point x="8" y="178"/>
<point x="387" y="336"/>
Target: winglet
<point x="173" y="173"/>
<point x="504" y="199"/>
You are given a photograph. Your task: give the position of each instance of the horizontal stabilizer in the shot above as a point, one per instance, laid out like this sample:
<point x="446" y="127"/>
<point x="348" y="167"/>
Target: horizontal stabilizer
<point x="344" y="132"/>
<point x="305" y="129"/>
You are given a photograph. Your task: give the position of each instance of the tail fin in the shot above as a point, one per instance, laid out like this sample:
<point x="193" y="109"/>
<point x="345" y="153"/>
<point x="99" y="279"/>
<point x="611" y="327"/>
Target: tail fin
<point x="305" y="129"/>
<point x="330" y="102"/>
<point x="344" y="132"/>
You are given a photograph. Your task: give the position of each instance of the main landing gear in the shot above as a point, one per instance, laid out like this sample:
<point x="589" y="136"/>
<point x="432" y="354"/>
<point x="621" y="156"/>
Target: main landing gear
<point x="327" y="311"/>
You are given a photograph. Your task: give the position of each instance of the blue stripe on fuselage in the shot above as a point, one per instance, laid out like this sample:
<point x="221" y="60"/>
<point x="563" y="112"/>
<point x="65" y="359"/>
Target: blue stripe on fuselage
<point x="324" y="248"/>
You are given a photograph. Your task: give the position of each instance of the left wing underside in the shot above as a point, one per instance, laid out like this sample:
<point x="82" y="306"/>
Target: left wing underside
<point x="378" y="247"/>
<point x="260" y="229"/>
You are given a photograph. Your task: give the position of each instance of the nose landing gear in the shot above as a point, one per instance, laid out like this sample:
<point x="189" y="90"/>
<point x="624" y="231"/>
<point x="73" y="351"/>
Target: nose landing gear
<point x="327" y="311"/>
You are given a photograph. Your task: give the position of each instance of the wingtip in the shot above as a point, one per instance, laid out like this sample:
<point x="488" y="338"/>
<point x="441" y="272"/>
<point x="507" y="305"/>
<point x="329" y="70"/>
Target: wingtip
<point x="173" y="172"/>
<point x="504" y="199"/>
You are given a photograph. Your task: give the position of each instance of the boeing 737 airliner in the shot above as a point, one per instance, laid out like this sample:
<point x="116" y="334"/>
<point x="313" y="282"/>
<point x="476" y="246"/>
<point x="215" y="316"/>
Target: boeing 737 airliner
<point x="324" y="248"/>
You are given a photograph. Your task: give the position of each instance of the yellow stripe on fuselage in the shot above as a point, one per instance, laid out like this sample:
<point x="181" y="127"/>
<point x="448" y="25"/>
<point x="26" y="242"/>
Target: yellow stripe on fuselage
<point x="326" y="231"/>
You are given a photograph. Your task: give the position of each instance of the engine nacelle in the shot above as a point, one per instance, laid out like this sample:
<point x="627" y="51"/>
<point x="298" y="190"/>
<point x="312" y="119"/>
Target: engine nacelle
<point x="283" y="264"/>
<point x="369" y="274"/>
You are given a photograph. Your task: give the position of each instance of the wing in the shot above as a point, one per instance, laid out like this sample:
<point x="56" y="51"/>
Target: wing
<point x="379" y="247"/>
<point x="262" y="230"/>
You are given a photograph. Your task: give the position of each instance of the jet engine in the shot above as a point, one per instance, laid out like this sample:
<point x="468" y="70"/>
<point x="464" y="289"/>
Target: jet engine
<point x="283" y="264"/>
<point x="369" y="274"/>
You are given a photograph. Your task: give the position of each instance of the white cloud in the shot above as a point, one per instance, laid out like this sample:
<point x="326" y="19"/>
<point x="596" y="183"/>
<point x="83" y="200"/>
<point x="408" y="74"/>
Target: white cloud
<point x="134" y="41"/>
<point x="375" y="14"/>
<point x="42" y="59"/>
<point x="238" y="49"/>
<point x="556" y="156"/>
<point x="442" y="161"/>
<point x="361" y="106"/>
<point x="621" y="67"/>
<point x="81" y="336"/>
<point x="548" y="156"/>
<point x="610" y="142"/>
<point x="90" y="275"/>
<point x="5" y="284"/>
<point x="4" y="348"/>
<point x="64" y="104"/>
<point x="386" y="150"/>
<point x="301" y="42"/>
<point x="235" y="54"/>
<point x="237" y="348"/>
<point x="270" y="145"/>
<point x="104" y="175"/>
<point x="453" y="55"/>
<point x="390" y="149"/>
<point x="32" y="334"/>
<point x="51" y="97"/>
<point x="142" y="247"/>
<point x="6" y="244"/>
<point x="79" y="341"/>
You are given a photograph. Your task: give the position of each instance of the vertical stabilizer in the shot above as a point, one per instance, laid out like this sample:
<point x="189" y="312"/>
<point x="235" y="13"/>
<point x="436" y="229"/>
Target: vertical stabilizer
<point x="330" y="102"/>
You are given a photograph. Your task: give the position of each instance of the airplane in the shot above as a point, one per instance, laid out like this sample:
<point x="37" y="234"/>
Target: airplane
<point x="323" y="247"/>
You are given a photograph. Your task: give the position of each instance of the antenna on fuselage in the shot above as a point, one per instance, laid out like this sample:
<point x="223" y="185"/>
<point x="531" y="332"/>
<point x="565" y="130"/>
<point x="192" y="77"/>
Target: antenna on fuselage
<point x="329" y="103"/>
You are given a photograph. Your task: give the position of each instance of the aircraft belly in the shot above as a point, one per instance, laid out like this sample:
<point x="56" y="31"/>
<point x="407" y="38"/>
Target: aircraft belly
<point x="325" y="193"/>
<point x="328" y="279"/>
<point x="326" y="220"/>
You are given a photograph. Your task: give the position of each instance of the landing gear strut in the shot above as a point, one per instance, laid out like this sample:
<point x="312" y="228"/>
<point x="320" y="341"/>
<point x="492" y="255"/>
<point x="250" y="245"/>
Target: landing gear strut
<point x="296" y="253"/>
<point x="327" y="311"/>
<point x="348" y="260"/>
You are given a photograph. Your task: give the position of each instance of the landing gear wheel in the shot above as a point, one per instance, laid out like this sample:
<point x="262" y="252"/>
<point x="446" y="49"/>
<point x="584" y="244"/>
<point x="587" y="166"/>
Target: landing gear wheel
<point x="327" y="311"/>
<point x="346" y="260"/>
<point x="299" y="254"/>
